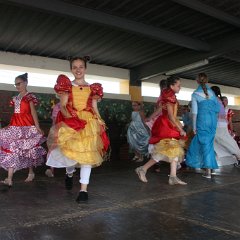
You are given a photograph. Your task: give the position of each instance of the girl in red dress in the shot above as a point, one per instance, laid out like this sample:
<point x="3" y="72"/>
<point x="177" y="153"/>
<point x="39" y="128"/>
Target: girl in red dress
<point x="20" y="141"/>
<point x="166" y="141"/>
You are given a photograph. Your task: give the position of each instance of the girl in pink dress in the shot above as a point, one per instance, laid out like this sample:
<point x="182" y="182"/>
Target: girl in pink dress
<point x="50" y="171"/>
<point x="20" y="141"/>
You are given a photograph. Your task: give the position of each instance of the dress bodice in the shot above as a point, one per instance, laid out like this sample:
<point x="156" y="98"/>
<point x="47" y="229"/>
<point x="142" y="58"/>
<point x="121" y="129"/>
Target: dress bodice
<point x="136" y="117"/>
<point x="22" y="111"/>
<point x="81" y="96"/>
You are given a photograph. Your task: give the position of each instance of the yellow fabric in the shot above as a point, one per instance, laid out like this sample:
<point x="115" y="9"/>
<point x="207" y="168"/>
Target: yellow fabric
<point x="170" y="148"/>
<point x="80" y="97"/>
<point x="84" y="146"/>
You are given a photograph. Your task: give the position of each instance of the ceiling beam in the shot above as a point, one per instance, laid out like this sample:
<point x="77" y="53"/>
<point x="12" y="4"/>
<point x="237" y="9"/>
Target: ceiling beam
<point x="101" y="18"/>
<point x="182" y="58"/>
<point x="210" y="11"/>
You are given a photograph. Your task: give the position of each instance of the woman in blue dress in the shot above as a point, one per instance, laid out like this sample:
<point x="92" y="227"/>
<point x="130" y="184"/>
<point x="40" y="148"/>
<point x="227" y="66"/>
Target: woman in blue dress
<point x="137" y="133"/>
<point x="205" y="110"/>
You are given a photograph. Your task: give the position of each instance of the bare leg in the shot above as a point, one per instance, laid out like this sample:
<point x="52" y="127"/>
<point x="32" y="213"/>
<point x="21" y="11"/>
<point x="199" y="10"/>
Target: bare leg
<point x="83" y="187"/>
<point x="8" y="180"/>
<point x="142" y="170"/>
<point x="173" y="169"/>
<point x="173" y="179"/>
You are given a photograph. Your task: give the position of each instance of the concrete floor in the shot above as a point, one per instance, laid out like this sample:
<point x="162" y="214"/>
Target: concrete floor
<point x="121" y="207"/>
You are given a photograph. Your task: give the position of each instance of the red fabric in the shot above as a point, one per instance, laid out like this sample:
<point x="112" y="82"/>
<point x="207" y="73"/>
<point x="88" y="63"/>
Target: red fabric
<point x="24" y="118"/>
<point x="31" y="98"/>
<point x="96" y="90"/>
<point x="73" y="122"/>
<point x="105" y="139"/>
<point x="230" y="114"/>
<point x="162" y="127"/>
<point x="63" y="84"/>
<point x="168" y="96"/>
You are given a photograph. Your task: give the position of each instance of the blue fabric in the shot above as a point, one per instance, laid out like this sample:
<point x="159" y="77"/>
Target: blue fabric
<point x="138" y="135"/>
<point x="187" y="121"/>
<point x="201" y="151"/>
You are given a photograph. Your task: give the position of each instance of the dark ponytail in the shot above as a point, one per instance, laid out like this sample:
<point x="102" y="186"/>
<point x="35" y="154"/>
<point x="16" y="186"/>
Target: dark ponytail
<point x="217" y="92"/>
<point x="202" y="80"/>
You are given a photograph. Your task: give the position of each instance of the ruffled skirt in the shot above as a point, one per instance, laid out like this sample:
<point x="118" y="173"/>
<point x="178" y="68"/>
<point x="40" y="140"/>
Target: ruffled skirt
<point x="138" y="137"/>
<point x="69" y="147"/>
<point x="167" y="150"/>
<point x="20" y="147"/>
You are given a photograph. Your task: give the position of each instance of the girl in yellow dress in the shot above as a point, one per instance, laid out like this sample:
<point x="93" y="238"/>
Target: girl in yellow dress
<point x="78" y="139"/>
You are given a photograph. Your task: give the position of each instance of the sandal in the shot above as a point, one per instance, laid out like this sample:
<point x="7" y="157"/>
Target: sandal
<point x="30" y="177"/>
<point x="49" y="173"/>
<point x="8" y="182"/>
<point x="175" y="180"/>
<point x="141" y="174"/>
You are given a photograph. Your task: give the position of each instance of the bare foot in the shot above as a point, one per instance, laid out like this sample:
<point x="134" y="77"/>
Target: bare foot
<point x="30" y="177"/>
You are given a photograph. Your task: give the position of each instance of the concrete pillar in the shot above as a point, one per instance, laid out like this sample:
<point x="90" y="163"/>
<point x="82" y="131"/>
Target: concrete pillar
<point x="135" y="87"/>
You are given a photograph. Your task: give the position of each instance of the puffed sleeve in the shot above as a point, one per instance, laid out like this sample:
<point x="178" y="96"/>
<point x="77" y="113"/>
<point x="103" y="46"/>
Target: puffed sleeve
<point x="31" y="98"/>
<point x="96" y="90"/>
<point x="168" y="96"/>
<point x="63" y="84"/>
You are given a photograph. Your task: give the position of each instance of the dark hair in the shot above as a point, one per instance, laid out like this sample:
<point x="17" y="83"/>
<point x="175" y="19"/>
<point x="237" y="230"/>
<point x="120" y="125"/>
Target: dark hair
<point x="163" y="84"/>
<point x="202" y="80"/>
<point x="85" y="59"/>
<point x="224" y="97"/>
<point x="24" y="77"/>
<point x="138" y="103"/>
<point x="172" y="80"/>
<point x="217" y="92"/>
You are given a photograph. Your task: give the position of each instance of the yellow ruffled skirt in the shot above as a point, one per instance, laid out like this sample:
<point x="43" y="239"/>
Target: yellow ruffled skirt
<point x="168" y="150"/>
<point x="83" y="147"/>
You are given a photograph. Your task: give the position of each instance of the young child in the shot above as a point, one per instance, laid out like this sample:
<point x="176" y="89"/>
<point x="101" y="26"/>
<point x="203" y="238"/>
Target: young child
<point x="50" y="171"/>
<point x="137" y="133"/>
<point x="205" y="109"/>
<point x="81" y="139"/>
<point x="224" y="143"/>
<point x="20" y="141"/>
<point x="165" y="143"/>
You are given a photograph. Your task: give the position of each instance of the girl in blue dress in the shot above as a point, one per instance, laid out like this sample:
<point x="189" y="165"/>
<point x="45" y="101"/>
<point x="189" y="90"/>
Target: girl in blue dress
<point x="205" y="110"/>
<point x="137" y="133"/>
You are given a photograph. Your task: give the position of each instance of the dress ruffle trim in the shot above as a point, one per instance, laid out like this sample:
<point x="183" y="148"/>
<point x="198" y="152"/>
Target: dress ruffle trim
<point x="170" y="148"/>
<point x="85" y="146"/>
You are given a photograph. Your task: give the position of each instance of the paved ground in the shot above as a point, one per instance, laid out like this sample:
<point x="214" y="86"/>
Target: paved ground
<point x="121" y="207"/>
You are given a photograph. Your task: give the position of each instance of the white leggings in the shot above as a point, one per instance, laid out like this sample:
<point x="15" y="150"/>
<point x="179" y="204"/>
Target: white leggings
<point x="85" y="172"/>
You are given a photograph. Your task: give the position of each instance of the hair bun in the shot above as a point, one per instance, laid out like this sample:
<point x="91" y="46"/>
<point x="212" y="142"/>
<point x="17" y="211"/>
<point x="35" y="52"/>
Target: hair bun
<point x="87" y="58"/>
<point x="24" y="77"/>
